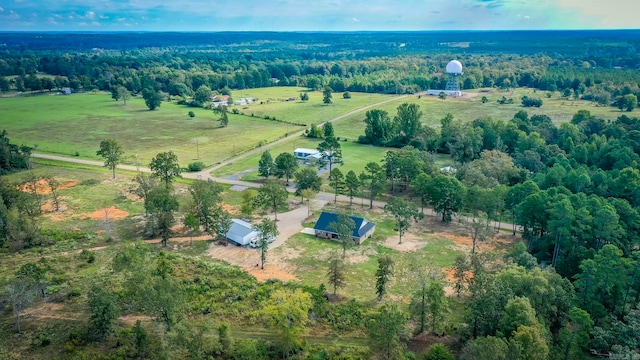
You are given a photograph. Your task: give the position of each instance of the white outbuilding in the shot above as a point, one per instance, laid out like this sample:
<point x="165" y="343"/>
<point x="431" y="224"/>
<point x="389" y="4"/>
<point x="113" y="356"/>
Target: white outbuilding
<point x="242" y="233"/>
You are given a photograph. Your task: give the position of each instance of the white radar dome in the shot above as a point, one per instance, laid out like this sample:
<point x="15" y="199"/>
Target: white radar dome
<point x="454" y="67"/>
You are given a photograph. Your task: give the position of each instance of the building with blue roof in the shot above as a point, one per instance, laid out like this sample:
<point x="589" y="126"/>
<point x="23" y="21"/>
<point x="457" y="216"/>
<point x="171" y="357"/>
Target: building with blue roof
<point x="363" y="229"/>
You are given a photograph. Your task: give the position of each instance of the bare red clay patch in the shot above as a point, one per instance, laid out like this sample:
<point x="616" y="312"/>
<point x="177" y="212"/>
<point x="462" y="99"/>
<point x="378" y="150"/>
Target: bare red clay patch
<point x="112" y="213"/>
<point x="271" y="272"/>
<point x="42" y="187"/>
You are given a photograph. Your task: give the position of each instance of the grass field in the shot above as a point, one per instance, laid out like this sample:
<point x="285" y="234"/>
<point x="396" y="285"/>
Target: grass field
<point x="355" y="157"/>
<point x="272" y="102"/>
<point x="311" y="254"/>
<point x="471" y="107"/>
<point x="75" y="125"/>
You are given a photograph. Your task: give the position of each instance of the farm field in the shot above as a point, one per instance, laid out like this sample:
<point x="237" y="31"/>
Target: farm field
<point x="273" y="102"/>
<point x="470" y="107"/>
<point x="74" y="125"/>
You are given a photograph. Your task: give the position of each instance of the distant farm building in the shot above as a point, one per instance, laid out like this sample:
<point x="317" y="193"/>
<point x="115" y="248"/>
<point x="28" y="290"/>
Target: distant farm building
<point x="446" y="92"/>
<point x="220" y="100"/>
<point x="244" y="101"/>
<point x="363" y="229"/>
<point x="65" y="91"/>
<point x="307" y="154"/>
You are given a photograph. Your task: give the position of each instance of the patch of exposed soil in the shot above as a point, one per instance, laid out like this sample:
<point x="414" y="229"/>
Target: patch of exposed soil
<point x="249" y="260"/>
<point x="465" y="243"/>
<point x="49" y="207"/>
<point x="47" y="310"/>
<point x="42" y="187"/>
<point x="271" y="271"/>
<point x="410" y="242"/>
<point x="231" y="209"/>
<point x="113" y="213"/>
<point x="132" y="197"/>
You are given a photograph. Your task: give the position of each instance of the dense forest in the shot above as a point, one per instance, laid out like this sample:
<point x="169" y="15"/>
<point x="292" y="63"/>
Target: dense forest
<point x="595" y="65"/>
<point x="569" y="290"/>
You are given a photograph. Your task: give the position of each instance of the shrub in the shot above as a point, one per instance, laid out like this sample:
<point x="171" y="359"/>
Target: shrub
<point x="346" y="95"/>
<point x="531" y="102"/>
<point x="235" y="111"/>
<point x="196" y="166"/>
<point x="87" y="256"/>
<point x="192" y="114"/>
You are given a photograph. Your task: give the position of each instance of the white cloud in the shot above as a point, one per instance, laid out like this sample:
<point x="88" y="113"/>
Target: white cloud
<point x="95" y="23"/>
<point x="355" y="20"/>
<point x="90" y="15"/>
<point x="1" y="9"/>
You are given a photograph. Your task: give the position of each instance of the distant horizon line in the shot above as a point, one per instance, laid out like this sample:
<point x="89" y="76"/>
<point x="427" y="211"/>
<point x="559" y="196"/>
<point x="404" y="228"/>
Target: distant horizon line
<point x="306" y="31"/>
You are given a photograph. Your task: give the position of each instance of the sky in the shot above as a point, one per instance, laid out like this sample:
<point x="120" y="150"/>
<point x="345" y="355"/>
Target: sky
<point x="313" y="15"/>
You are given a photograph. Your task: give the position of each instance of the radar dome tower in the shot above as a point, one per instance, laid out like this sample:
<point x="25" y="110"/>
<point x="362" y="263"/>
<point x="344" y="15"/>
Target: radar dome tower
<point x="454" y="70"/>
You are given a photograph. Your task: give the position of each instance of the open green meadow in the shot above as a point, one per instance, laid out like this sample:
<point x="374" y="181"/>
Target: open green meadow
<point x="74" y="125"/>
<point x="470" y="107"/>
<point x="273" y="102"/>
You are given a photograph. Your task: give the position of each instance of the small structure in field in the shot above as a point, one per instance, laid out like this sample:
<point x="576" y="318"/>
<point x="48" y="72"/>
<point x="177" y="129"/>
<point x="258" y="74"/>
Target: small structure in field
<point x="307" y="154"/>
<point x="242" y="233"/>
<point x="363" y="229"/>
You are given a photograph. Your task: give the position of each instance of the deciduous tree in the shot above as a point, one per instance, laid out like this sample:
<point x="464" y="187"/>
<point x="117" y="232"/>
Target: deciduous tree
<point x="326" y="95"/>
<point x="287" y="312"/>
<point x="162" y="205"/>
<point x="104" y="308"/>
<point x="388" y="332"/>
<point x="165" y="166"/>
<point x="285" y="166"/>
<point x="151" y="98"/>
<point x="331" y="152"/>
<point x="307" y="178"/>
<point x="446" y="195"/>
<point x="403" y="212"/>
<point x="112" y="152"/>
<point x="266" y="167"/>
<point x="272" y="195"/>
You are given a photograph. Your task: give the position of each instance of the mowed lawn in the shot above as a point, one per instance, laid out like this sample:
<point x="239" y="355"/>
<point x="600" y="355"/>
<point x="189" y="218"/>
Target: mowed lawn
<point x="470" y="107"/>
<point x="273" y="102"/>
<point x="309" y="257"/>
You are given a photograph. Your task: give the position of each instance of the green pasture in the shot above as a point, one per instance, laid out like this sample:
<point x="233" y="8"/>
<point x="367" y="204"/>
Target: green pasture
<point x="362" y="261"/>
<point x="470" y="107"/>
<point x="74" y="125"/>
<point x="355" y="156"/>
<point x="272" y="101"/>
